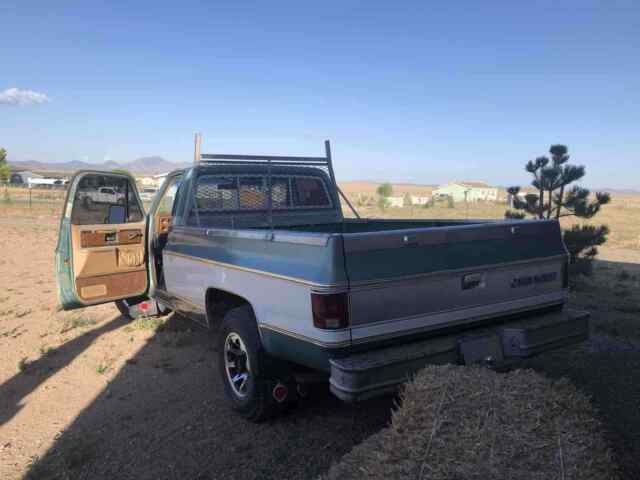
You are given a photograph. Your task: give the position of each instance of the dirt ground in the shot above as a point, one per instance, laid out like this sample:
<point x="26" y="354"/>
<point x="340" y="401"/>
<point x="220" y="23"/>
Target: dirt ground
<point x="87" y="394"/>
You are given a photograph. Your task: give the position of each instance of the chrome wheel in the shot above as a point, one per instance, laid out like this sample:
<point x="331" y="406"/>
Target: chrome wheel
<point x="236" y="363"/>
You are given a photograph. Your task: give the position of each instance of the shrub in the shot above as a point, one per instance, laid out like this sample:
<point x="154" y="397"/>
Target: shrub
<point x="385" y="190"/>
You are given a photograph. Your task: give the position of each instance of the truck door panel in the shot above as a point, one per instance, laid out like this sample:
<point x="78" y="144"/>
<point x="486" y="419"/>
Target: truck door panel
<point x="101" y="253"/>
<point x="109" y="262"/>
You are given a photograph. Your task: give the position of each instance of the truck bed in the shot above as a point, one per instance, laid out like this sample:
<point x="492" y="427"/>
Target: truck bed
<point x="403" y="277"/>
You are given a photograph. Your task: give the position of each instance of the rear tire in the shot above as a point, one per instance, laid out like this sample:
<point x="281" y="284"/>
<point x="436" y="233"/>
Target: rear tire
<point x="246" y="371"/>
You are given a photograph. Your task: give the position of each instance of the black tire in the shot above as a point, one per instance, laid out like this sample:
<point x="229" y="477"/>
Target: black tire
<point x="252" y="399"/>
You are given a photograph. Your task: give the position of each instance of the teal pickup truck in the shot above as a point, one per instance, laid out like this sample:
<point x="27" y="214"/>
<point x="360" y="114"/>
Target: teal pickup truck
<point x="257" y="247"/>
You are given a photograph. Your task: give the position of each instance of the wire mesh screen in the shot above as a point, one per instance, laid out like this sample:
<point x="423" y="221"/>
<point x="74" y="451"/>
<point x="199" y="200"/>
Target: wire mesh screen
<point x="217" y="193"/>
<point x="238" y="194"/>
<point x="226" y="193"/>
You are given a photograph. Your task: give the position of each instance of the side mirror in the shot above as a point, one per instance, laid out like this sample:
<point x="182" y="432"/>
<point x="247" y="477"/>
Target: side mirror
<point x="117" y="214"/>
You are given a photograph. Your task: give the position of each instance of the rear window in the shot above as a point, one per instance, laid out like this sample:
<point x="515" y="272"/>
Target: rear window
<point x="245" y="193"/>
<point x="310" y="192"/>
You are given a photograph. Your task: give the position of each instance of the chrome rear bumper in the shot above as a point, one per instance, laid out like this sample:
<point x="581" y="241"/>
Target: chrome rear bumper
<point x="374" y="373"/>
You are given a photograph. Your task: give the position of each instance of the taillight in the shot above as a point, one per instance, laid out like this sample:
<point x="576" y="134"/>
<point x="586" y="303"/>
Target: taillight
<point x="330" y="311"/>
<point x="565" y="274"/>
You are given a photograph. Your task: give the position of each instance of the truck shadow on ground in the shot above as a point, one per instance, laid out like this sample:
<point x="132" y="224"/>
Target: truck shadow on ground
<point x="164" y="415"/>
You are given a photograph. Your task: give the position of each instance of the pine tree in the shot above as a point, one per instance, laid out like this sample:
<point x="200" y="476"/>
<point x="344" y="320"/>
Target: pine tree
<point x="384" y="191"/>
<point x="555" y="198"/>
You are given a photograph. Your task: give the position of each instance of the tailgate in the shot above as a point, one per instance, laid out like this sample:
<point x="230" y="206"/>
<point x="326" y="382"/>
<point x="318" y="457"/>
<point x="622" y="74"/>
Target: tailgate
<point x="414" y="280"/>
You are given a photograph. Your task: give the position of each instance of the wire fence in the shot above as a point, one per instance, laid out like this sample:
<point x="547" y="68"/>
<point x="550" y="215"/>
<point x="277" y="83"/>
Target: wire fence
<point x="38" y="200"/>
<point x="32" y="196"/>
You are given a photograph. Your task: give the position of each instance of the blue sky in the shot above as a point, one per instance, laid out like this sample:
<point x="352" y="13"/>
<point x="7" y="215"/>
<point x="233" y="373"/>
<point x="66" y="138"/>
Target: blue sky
<point x="407" y="91"/>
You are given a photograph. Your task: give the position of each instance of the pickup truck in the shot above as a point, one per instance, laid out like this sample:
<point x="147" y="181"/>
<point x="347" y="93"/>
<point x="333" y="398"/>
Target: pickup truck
<point x="100" y="195"/>
<point x="257" y="247"/>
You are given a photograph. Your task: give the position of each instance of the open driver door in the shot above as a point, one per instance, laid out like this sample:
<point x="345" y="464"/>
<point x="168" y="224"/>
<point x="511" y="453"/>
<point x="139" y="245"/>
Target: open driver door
<point x="101" y="252"/>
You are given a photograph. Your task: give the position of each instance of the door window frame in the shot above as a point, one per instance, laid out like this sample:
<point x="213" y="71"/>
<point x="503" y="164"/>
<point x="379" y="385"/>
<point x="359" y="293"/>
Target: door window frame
<point x="151" y="224"/>
<point x="163" y="191"/>
<point x="74" y="184"/>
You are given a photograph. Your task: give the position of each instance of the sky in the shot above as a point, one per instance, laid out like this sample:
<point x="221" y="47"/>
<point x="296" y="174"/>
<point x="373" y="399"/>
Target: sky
<point x="421" y="92"/>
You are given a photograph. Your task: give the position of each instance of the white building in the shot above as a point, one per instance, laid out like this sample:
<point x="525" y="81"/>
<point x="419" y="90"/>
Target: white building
<point x="23" y="177"/>
<point x="395" y="201"/>
<point x="45" y="182"/>
<point x="160" y="178"/>
<point x="147" y="181"/>
<point x="468" y="191"/>
<point x="418" y="200"/>
<point x="153" y="180"/>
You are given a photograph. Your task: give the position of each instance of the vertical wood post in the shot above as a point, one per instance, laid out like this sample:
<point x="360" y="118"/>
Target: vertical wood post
<point x="196" y="149"/>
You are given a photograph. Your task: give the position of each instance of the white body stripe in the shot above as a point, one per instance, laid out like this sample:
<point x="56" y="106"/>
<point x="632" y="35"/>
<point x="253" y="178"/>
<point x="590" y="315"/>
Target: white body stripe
<point x="283" y="304"/>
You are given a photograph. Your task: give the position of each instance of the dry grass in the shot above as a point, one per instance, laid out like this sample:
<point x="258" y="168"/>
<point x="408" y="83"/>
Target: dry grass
<point x="472" y="423"/>
<point x="621" y="214"/>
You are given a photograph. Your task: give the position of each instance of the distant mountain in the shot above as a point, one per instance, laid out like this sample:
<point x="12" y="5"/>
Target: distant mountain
<point x="145" y="165"/>
<point x="152" y="165"/>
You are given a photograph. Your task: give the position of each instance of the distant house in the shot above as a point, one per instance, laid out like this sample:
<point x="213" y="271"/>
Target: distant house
<point x="468" y="191"/>
<point x="23" y="177"/>
<point x="418" y="200"/>
<point x="160" y="178"/>
<point x="154" y="181"/>
<point x="46" y="182"/>
<point x="395" y="201"/>
<point x="147" y="181"/>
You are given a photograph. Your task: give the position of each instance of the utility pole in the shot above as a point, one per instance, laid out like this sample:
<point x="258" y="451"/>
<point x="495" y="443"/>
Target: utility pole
<point x="196" y="150"/>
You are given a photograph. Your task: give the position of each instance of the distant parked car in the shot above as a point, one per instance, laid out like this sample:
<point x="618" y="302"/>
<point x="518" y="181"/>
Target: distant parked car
<point x="102" y="195"/>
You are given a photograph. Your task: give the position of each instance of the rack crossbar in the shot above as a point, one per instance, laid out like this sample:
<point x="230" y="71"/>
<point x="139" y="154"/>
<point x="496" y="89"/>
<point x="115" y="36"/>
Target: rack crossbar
<point x="261" y="158"/>
<point x="255" y="162"/>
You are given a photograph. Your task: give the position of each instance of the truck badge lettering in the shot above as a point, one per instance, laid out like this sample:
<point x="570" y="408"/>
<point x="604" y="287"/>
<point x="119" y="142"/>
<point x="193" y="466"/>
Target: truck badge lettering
<point x="527" y="280"/>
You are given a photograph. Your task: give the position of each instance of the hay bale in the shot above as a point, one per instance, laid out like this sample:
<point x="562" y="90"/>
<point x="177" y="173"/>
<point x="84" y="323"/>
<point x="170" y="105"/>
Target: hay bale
<point x="472" y="423"/>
